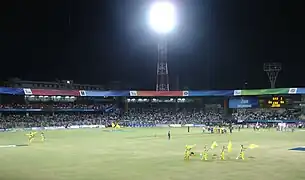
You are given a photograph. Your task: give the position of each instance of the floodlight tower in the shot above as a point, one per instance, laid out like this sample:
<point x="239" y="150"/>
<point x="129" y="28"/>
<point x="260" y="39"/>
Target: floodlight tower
<point x="272" y="70"/>
<point x="162" y="19"/>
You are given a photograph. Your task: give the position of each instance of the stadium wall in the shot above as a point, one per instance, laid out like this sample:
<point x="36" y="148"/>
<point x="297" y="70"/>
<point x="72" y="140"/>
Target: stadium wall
<point x="52" y="128"/>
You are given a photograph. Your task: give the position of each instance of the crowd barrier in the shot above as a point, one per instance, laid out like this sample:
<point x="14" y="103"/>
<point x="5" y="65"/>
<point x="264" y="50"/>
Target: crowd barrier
<point x="179" y="125"/>
<point x="140" y="125"/>
<point x="270" y="121"/>
<point x="52" y="128"/>
<point x="175" y="125"/>
<point x="55" y="110"/>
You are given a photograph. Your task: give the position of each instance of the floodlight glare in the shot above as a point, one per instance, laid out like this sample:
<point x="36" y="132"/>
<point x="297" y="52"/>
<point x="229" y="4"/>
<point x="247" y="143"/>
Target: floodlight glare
<point x="162" y="17"/>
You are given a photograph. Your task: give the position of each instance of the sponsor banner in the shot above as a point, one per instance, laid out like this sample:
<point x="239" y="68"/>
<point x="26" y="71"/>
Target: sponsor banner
<point x="91" y="126"/>
<point x="2" y="130"/>
<point x="27" y="91"/>
<point x="244" y="102"/>
<point x="54" y="128"/>
<point x="19" y="129"/>
<point x="255" y="92"/>
<point x="272" y="121"/>
<point x="145" y="125"/>
<point x="37" y="128"/>
<point x="20" y="110"/>
<point x="44" y="110"/>
<point x="71" y="127"/>
<point x="78" y="110"/>
<point x="300" y="91"/>
<point x="186" y="93"/>
<point x="189" y="125"/>
<point x="82" y="93"/>
<point x="292" y="90"/>
<point x="12" y="91"/>
<point x="105" y="93"/>
<point x="199" y="125"/>
<point x="211" y="93"/>
<point x="55" y="92"/>
<point x="161" y="125"/>
<point x="237" y="92"/>
<point x="74" y="127"/>
<point x="133" y="93"/>
<point x="160" y="93"/>
<point x="175" y="125"/>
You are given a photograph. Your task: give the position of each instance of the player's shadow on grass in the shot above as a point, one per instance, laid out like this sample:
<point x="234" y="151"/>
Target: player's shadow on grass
<point x="22" y="145"/>
<point x="230" y="159"/>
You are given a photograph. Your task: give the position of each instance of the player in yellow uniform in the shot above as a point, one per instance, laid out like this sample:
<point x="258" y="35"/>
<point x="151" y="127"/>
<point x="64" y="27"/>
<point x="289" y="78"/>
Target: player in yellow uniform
<point x="204" y="155"/>
<point x="222" y="153"/>
<point x="241" y="153"/>
<point x="215" y="130"/>
<point x="31" y="136"/>
<point x="229" y="147"/>
<point x="188" y="153"/>
<point x="42" y="136"/>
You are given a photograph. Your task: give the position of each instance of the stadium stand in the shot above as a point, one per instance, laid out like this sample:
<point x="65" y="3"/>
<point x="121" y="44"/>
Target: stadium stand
<point x="266" y="114"/>
<point x="75" y="114"/>
<point x="47" y="107"/>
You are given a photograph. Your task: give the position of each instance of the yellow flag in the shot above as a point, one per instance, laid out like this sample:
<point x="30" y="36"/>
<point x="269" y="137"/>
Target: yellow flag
<point x="31" y="134"/>
<point x="229" y="146"/>
<point x="189" y="147"/>
<point x="214" y="145"/>
<point x="252" y="146"/>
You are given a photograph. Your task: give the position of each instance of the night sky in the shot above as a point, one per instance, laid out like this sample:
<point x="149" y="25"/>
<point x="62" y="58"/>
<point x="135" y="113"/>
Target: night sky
<point x="218" y="44"/>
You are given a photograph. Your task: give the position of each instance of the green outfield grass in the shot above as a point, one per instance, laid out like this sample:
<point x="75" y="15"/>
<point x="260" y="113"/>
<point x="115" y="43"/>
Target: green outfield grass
<point x="146" y="154"/>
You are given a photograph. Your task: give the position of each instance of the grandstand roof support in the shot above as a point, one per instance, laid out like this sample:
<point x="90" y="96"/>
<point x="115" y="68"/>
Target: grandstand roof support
<point x="272" y="70"/>
<point x="162" y="69"/>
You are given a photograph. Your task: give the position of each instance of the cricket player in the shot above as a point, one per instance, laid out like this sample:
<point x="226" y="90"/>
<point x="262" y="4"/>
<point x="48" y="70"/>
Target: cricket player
<point x="241" y="153"/>
<point x="188" y="153"/>
<point x="204" y="155"/>
<point x="31" y="136"/>
<point x="222" y="153"/>
<point x="42" y="136"/>
<point x="169" y="135"/>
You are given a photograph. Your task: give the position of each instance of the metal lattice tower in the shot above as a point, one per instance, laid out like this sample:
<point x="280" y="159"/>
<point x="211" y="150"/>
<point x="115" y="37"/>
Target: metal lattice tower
<point x="162" y="69"/>
<point x="272" y="70"/>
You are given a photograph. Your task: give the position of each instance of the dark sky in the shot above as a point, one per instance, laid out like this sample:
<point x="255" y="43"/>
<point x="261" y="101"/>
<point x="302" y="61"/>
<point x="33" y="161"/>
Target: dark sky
<point x="218" y="44"/>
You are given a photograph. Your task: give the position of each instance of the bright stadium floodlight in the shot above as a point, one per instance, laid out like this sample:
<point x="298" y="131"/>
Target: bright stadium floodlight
<point x="162" y="17"/>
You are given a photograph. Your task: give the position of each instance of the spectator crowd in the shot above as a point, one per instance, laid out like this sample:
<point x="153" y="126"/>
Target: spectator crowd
<point x="54" y="106"/>
<point x="266" y="114"/>
<point x="133" y="116"/>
